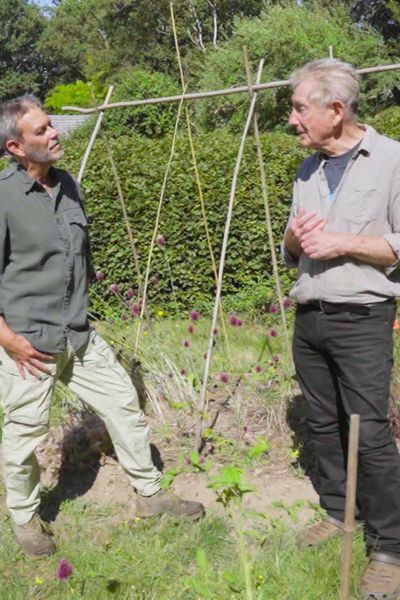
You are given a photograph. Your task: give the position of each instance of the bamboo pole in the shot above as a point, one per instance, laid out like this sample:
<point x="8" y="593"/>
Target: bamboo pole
<point x="349" y="521"/>
<point x="94" y="135"/>
<point x="264" y="189"/>
<point x="210" y="94"/>
<point x="203" y="392"/>
<point x="198" y="182"/>
<point x="156" y="225"/>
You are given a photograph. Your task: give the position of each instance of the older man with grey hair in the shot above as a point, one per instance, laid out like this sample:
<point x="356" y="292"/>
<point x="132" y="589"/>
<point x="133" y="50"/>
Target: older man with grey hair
<point x="44" y="330"/>
<point x="343" y="236"/>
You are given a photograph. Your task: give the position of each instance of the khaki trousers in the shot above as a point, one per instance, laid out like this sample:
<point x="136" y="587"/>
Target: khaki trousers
<point x="100" y="381"/>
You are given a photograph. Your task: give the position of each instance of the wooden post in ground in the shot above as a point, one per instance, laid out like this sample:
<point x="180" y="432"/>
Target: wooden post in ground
<point x="349" y="520"/>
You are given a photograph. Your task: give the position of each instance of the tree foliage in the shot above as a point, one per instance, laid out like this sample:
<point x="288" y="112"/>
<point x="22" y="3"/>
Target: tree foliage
<point x="287" y="37"/>
<point x="22" y="66"/>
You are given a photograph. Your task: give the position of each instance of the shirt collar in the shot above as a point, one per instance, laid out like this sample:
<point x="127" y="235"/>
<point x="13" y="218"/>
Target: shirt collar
<point x="28" y="182"/>
<point x="365" y="147"/>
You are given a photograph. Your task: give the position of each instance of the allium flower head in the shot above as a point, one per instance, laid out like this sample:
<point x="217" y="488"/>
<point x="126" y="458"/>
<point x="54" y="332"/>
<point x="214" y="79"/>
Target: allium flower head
<point x="287" y="303"/>
<point x="215" y="331"/>
<point x="239" y="323"/>
<point x="64" y="569"/>
<point x="100" y="275"/>
<point x="195" y="315"/>
<point x="258" y="369"/>
<point x="233" y="320"/>
<point x="184" y="372"/>
<point x="186" y="344"/>
<point x="190" y="328"/>
<point x="273" y="308"/>
<point x="161" y="241"/>
<point x="114" y="287"/>
<point x="130" y="293"/>
<point x="273" y="332"/>
<point x="224" y="377"/>
<point x="135" y="309"/>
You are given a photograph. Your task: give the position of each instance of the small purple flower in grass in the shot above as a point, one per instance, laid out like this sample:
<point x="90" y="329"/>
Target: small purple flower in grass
<point x="114" y="287"/>
<point x="215" y="331"/>
<point x="161" y="241"/>
<point x="129" y="293"/>
<point x="233" y="320"/>
<point x="258" y="369"/>
<point x="273" y="308"/>
<point x="184" y="372"/>
<point x="135" y="309"/>
<point x="190" y="328"/>
<point x="224" y="377"/>
<point x="195" y="315"/>
<point x="287" y="303"/>
<point x="245" y="429"/>
<point x="186" y="344"/>
<point x="100" y="275"/>
<point x="273" y="332"/>
<point x="239" y="323"/>
<point x="64" y="569"/>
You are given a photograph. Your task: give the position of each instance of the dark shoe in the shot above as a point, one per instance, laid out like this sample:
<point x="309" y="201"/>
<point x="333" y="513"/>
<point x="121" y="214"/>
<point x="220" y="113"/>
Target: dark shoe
<point x="164" y="501"/>
<point x="34" y="538"/>
<point x="320" y="532"/>
<point x="381" y="578"/>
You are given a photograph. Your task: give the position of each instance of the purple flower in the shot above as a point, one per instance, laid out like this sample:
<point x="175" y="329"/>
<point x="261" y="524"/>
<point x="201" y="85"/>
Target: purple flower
<point x="195" y="315"/>
<point x="161" y="241"/>
<point x="114" y="287"/>
<point x="64" y="569"/>
<point x="239" y="323"/>
<point x="233" y="321"/>
<point x="190" y="328"/>
<point x="100" y="275"/>
<point x="215" y="331"/>
<point x="224" y="377"/>
<point x="186" y="344"/>
<point x="287" y="303"/>
<point x="273" y="332"/>
<point x="135" y="309"/>
<point x="258" y="369"/>
<point x="130" y="293"/>
<point x="183" y="372"/>
<point x="273" y="308"/>
<point x="245" y="429"/>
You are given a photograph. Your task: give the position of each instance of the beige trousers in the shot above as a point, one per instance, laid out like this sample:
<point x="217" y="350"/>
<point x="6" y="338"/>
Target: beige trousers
<point x="100" y="381"/>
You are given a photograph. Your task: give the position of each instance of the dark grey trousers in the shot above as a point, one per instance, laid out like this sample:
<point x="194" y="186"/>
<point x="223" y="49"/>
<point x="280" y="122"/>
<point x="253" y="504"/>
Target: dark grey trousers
<point x="343" y="363"/>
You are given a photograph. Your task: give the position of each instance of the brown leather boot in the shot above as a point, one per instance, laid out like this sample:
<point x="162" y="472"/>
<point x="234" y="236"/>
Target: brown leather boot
<point x="381" y="578"/>
<point x="34" y="538"/>
<point x="320" y="532"/>
<point x="164" y="501"/>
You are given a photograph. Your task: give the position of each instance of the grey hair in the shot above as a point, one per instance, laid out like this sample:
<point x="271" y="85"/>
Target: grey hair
<point x="334" y="80"/>
<point x="10" y="114"/>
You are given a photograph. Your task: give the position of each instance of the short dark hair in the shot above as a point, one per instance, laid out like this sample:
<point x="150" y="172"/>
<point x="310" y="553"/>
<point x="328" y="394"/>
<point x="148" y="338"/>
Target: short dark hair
<point x="10" y="114"/>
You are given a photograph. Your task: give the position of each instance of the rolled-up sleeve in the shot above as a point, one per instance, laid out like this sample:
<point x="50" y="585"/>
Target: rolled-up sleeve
<point x="393" y="237"/>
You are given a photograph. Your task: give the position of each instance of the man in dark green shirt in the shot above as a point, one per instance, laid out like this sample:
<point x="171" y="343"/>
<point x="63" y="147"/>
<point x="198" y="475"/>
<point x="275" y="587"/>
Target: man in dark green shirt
<point x="44" y="330"/>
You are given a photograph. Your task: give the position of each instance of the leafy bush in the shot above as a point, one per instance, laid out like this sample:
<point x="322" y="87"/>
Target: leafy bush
<point x="73" y="94"/>
<point x="388" y="122"/>
<point x="184" y="264"/>
<point x="151" y="120"/>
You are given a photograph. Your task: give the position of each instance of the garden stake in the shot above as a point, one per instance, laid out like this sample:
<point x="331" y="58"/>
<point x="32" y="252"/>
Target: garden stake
<point x="203" y="392"/>
<point x="93" y="136"/>
<point x="155" y="230"/>
<point x="198" y="182"/>
<point x="122" y="202"/>
<point x="210" y="94"/>
<point x="349" y="522"/>
<point x="264" y="189"/>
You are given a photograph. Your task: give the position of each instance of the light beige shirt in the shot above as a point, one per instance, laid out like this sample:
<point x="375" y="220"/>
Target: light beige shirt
<point x="366" y="202"/>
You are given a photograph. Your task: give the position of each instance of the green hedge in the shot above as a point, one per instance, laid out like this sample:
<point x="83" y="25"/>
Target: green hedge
<point x="248" y="281"/>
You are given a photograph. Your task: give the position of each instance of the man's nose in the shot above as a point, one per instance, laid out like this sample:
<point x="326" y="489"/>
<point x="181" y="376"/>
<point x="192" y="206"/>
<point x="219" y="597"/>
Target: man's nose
<point x="293" y="119"/>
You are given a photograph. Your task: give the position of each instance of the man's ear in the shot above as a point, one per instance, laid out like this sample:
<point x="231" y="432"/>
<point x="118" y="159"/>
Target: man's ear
<point x="15" y="147"/>
<point x="339" y="111"/>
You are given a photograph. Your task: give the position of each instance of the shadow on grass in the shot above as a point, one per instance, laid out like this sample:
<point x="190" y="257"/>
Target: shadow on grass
<point x="302" y="444"/>
<point x="83" y="448"/>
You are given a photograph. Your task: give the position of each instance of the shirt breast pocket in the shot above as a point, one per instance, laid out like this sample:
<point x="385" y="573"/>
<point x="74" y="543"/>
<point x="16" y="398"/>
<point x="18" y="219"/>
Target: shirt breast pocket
<point x="362" y="205"/>
<point x="77" y="226"/>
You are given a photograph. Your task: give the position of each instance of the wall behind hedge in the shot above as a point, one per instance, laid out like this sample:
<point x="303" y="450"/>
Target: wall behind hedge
<point x="248" y="281"/>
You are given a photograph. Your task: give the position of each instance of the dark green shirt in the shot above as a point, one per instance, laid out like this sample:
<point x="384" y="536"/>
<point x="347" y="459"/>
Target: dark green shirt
<point x="44" y="259"/>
